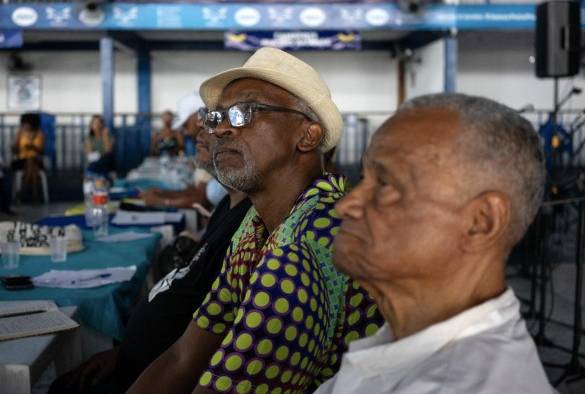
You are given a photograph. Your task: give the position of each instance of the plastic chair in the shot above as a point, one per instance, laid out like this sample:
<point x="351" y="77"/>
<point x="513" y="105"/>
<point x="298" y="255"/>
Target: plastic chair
<point x="17" y="185"/>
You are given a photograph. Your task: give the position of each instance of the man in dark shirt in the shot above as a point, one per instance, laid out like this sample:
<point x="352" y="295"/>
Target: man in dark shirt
<point x="161" y="318"/>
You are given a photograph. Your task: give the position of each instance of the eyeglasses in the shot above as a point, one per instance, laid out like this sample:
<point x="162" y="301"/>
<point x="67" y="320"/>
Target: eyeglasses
<point x="202" y="113"/>
<point x="240" y="114"/>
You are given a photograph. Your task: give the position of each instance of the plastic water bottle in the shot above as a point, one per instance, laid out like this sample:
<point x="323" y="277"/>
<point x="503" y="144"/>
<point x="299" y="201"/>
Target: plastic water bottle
<point x="99" y="216"/>
<point x="88" y="189"/>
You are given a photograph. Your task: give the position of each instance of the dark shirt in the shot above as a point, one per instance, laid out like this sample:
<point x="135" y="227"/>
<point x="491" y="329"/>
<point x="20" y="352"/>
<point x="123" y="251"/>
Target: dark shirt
<point x="161" y="318"/>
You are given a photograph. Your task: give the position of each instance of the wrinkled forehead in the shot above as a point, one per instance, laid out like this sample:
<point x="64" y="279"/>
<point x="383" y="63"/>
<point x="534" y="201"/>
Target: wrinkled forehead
<point x="420" y="136"/>
<point x="252" y="89"/>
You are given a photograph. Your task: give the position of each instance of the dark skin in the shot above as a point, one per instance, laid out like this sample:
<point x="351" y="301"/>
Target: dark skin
<point x="415" y="191"/>
<point x="31" y="166"/>
<point x="286" y="169"/>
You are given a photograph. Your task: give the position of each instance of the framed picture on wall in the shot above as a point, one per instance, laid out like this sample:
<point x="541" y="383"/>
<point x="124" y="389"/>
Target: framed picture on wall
<point x="24" y="92"/>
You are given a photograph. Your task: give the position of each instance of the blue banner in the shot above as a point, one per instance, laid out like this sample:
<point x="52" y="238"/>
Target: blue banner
<point x="10" y="38"/>
<point x="263" y="16"/>
<point x="293" y="40"/>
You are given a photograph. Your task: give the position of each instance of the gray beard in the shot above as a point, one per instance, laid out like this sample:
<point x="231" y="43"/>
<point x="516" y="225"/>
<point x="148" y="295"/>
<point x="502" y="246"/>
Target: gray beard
<point x="206" y="165"/>
<point x="245" y="179"/>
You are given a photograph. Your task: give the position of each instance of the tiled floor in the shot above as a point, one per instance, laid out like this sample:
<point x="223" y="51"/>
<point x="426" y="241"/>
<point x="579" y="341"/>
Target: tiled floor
<point x="562" y="290"/>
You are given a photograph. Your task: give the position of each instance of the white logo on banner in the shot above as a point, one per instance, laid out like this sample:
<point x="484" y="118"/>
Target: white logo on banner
<point x="351" y="16"/>
<point x="125" y="17"/>
<point x="377" y="17"/>
<point x="214" y="17"/>
<point x="92" y="18"/>
<point x="313" y="17"/>
<point x="24" y="16"/>
<point x="279" y="16"/>
<point x="58" y="17"/>
<point x="247" y="16"/>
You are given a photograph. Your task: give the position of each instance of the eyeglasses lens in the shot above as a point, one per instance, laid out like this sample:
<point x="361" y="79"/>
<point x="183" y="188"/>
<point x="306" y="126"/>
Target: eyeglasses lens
<point x="239" y="115"/>
<point x="213" y="119"/>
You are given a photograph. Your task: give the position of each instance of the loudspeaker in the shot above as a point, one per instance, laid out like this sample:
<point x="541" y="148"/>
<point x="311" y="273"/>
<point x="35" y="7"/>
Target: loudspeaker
<point x="558" y="39"/>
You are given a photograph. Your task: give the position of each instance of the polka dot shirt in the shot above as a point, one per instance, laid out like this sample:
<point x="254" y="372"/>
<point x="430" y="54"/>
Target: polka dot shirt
<point x="285" y="313"/>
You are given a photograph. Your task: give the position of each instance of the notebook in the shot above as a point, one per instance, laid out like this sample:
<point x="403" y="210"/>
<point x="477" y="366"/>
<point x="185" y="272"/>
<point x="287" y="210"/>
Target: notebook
<point x="19" y="319"/>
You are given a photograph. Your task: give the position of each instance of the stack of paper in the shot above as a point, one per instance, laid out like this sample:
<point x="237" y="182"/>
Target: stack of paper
<point x="81" y="279"/>
<point x="146" y="218"/>
<point x="20" y="319"/>
<point x="126" y="236"/>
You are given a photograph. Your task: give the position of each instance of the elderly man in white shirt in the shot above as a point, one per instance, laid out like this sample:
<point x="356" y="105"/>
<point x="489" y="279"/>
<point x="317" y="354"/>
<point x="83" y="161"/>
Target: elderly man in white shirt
<point x="451" y="183"/>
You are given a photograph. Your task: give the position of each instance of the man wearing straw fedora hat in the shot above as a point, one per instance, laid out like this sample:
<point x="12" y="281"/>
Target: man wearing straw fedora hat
<point x="279" y="315"/>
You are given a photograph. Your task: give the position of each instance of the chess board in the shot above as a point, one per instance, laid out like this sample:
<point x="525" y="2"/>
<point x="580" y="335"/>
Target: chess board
<point x="34" y="239"/>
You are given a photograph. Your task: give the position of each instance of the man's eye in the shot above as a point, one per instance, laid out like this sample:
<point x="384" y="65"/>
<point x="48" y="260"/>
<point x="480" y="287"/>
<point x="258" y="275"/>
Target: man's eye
<point x="387" y="194"/>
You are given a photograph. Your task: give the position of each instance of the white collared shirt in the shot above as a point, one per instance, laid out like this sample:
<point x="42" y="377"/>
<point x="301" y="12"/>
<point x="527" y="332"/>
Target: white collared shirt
<point x="485" y="349"/>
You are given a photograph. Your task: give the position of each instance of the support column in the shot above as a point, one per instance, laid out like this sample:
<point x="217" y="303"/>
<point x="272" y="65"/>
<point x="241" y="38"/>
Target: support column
<point x="144" y="81"/>
<point x="451" y="49"/>
<point x="144" y="96"/>
<point x="107" y="69"/>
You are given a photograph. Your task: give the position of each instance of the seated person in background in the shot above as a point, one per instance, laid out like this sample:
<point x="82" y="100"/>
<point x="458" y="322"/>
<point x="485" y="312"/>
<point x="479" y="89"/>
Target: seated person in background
<point x="28" y="148"/>
<point x="167" y="141"/>
<point x="279" y="315"/>
<point x="99" y="147"/>
<point x="207" y="192"/>
<point x="451" y="183"/>
<point x="161" y="318"/>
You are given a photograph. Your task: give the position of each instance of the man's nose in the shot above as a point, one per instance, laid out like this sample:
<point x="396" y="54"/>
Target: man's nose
<point x="352" y="205"/>
<point x="223" y="128"/>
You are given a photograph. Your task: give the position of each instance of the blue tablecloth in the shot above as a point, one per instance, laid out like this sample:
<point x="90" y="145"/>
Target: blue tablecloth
<point x="100" y="308"/>
<point x="145" y="184"/>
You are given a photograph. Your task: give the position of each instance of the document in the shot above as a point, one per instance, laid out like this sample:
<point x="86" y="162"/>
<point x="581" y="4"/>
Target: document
<point x="30" y="321"/>
<point x="82" y="279"/>
<point x="145" y="218"/>
<point x="11" y="308"/>
<point x="126" y="236"/>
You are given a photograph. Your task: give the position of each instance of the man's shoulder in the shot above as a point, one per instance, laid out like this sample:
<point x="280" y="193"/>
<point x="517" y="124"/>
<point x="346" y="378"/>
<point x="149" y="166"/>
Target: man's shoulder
<point x="492" y="362"/>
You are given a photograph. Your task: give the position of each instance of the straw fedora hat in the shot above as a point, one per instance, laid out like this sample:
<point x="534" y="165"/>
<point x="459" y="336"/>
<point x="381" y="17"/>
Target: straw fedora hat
<point x="284" y="70"/>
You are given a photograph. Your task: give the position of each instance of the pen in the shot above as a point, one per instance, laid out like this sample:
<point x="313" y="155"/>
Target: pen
<point x="100" y="276"/>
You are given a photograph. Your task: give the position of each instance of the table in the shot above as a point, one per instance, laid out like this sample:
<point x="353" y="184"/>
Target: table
<point x="161" y="172"/>
<point x="22" y="361"/>
<point x="99" y="308"/>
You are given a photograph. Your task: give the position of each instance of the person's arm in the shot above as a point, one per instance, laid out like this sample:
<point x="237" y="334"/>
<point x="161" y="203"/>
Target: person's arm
<point x="108" y="141"/>
<point x="280" y="328"/>
<point x="153" y="144"/>
<point x="15" y="145"/>
<point x="178" y="369"/>
<point x="180" y="141"/>
<point x="38" y="143"/>
<point x="87" y="146"/>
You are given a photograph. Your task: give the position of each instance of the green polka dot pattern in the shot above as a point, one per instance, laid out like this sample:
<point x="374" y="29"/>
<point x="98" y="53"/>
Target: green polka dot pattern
<point x="286" y="313"/>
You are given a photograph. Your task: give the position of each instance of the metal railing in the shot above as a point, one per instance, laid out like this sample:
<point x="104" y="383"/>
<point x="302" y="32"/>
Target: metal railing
<point x="132" y="135"/>
<point x="132" y="139"/>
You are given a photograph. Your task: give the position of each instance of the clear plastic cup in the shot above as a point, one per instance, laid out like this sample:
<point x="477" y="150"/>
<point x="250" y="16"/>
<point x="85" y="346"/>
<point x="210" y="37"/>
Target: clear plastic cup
<point x="10" y="254"/>
<point x="58" y="244"/>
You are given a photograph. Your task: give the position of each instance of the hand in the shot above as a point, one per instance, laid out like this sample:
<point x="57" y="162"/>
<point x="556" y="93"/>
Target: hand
<point x="201" y="210"/>
<point x="91" y="372"/>
<point x="99" y="367"/>
<point x="150" y="198"/>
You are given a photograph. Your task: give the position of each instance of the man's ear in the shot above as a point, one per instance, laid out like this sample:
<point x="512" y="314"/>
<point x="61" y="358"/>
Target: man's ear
<point x="487" y="220"/>
<point x="311" y="138"/>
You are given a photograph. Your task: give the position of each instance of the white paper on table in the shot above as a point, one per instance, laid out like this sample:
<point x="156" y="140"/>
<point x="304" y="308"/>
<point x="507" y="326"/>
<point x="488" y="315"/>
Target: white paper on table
<point x="126" y="236"/>
<point x="173" y="217"/>
<point x="35" y="324"/>
<point x="143" y="218"/>
<point x="81" y="279"/>
<point x="136" y="218"/>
